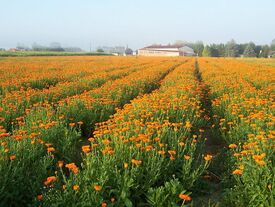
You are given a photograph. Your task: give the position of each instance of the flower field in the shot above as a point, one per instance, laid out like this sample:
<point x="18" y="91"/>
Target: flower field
<point x="127" y="131"/>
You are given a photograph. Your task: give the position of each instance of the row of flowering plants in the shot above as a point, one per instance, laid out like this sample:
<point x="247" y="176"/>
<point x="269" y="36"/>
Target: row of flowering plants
<point x="148" y="153"/>
<point x="15" y="104"/>
<point x="46" y="134"/>
<point x="243" y="103"/>
<point x="96" y="105"/>
<point x="43" y="72"/>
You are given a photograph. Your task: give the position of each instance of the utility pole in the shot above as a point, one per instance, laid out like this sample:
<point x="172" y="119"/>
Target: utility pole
<point x="90" y="46"/>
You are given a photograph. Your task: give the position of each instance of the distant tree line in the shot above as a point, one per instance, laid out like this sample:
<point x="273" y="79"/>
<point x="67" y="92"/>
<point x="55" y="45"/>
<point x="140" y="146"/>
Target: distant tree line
<point x="231" y="49"/>
<point x="118" y="50"/>
<point x="53" y="47"/>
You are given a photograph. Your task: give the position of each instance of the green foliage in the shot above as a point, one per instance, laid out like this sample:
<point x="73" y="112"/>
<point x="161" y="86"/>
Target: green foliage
<point x="206" y="52"/>
<point x="156" y="173"/>
<point x="249" y="50"/>
<point x="265" y="51"/>
<point x="198" y="47"/>
<point x="272" y="45"/>
<point x="100" y="50"/>
<point x="166" y="195"/>
<point x="128" y="51"/>
<point x="231" y="49"/>
<point x="48" y="53"/>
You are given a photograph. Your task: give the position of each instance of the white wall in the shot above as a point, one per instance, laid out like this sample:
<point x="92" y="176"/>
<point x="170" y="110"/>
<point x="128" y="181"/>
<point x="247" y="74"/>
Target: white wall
<point x="157" y="53"/>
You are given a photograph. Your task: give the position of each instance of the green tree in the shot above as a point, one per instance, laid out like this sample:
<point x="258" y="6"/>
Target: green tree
<point x="250" y="50"/>
<point x="100" y="50"/>
<point x="219" y="50"/>
<point x="128" y="51"/>
<point x="258" y="49"/>
<point x="272" y="45"/>
<point x="231" y="49"/>
<point x="214" y="50"/>
<point x="206" y="51"/>
<point x="265" y="51"/>
<point x="198" y="47"/>
<point x="241" y="48"/>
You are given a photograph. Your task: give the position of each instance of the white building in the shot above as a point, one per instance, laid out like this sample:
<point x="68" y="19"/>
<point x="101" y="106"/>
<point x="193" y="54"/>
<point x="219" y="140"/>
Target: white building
<point x="166" y="50"/>
<point x="118" y="50"/>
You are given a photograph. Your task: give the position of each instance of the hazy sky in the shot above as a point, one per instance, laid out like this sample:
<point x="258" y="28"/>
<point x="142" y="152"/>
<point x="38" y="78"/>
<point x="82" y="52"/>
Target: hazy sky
<point x="134" y="22"/>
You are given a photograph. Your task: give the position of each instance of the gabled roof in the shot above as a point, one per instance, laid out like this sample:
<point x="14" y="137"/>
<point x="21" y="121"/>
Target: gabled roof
<point x="163" y="46"/>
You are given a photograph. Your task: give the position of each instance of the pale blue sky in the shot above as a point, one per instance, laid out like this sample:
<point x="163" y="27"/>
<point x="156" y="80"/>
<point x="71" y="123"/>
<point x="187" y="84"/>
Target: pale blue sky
<point x="135" y="22"/>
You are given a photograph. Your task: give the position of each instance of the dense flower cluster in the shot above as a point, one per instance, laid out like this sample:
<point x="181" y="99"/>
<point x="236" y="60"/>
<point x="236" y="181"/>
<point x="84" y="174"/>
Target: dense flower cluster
<point x="116" y="131"/>
<point x="243" y="101"/>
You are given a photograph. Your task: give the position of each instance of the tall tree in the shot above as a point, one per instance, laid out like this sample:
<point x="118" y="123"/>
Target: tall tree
<point x="128" y="51"/>
<point x="231" y="49"/>
<point x="22" y="46"/>
<point x="99" y="50"/>
<point x="198" y="47"/>
<point x="249" y="50"/>
<point x="221" y="48"/>
<point x="206" y="51"/>
<point x="265" y="51"/>
<point x="272" y="45"/>
<point x="258" y="49"/>
<point x="214" y="50"/>
<point x="241" y="48"/>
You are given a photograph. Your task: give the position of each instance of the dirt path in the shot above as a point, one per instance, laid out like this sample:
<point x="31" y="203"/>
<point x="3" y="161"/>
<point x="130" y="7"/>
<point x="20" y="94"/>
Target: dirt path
<point x="210" y="185"/>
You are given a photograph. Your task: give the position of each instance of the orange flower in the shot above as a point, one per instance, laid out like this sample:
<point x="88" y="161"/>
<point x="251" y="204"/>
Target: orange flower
<point x="60" y="163"/>
<point x="97" y="187"/>
<point x="94" y="145"/>
<point x="4" y="135"/>
<point x="157" y="139"/>
<point x="260" y="162"/>
<point x="136" y="162"/>
<point x="76" y="187"/>
<point x="71" y="124"/>
<point x="125" y="165"/>
<point x="237" y="154"/>
<point x="185" y="197"/>
<point x="237" y="172"/>
<point x="50" y="180"/>
<point x="106" y="141"/>
<point x="232" y="146"/>
<point x="172" y="152"/>
<point x="187" y="157"/>
<point x="181" y="144"/>
<point x="39" y="197"/>
<point x="86" y="148"/>
<point x="12" y="157"/>
<point x="161" y="152"/>
<point x="91" y="139"/>
<point x="72" y="167"/>
<point x="208" y="157"/>
<point x="104" y="204"/>
<point x="48" y="145"/>
<point x="188" y="125"/>
<point x="259" y="157"/>
<point x="50" y="149"/>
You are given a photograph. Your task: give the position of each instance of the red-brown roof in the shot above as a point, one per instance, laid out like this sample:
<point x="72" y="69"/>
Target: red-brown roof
<point x="161" y="50"/>
<point x="163" y="46"/>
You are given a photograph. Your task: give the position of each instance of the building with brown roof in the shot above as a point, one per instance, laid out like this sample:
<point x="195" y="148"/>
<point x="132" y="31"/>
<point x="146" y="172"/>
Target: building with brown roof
<point x="166" y="50"/>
